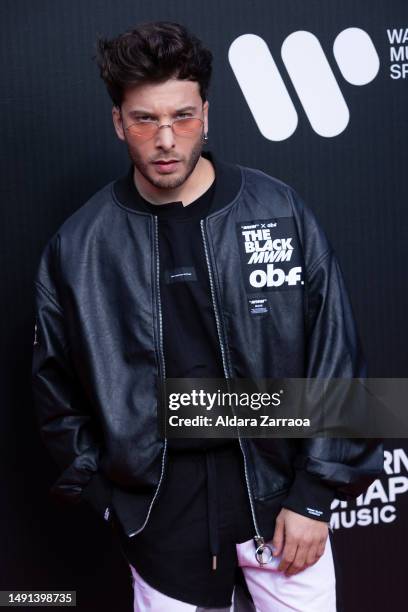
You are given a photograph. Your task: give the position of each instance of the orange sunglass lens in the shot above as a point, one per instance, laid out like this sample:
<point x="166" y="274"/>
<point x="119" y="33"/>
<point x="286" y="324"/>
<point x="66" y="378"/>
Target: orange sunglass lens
<point x="143" y="129"/>
<point x="186" y="126"/>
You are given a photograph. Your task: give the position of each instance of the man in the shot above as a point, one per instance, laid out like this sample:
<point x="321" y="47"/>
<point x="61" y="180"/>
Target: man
<point x="151" y="279"/>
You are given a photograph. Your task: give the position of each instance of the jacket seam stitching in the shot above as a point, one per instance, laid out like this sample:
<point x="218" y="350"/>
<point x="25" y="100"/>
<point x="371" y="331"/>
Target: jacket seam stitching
<point x="220" y="303"/>
<point x="47" y="293"/>
<point x="300" y="233"/>
<point x="154" y="296"/>
<point x="317" y="261"/>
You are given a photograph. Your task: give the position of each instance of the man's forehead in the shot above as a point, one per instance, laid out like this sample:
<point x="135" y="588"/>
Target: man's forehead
<point x="167" y="96"/>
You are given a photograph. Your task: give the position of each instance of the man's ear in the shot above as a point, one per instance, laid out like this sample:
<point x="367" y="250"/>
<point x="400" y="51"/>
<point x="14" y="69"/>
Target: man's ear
<point x="205" y="114"/>
<point x="117" y="122"/>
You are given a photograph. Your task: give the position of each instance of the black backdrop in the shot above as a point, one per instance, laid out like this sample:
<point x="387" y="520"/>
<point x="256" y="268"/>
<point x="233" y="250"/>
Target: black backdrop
<point x="58" y="147"/>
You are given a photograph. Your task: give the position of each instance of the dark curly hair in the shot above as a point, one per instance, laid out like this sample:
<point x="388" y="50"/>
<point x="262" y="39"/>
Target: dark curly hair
<point x="152" y="52"/>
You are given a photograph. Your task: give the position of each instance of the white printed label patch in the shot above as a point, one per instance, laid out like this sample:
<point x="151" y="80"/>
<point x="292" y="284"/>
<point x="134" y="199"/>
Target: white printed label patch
<point x="270" y="254"/>
<point x="258" y="307"/>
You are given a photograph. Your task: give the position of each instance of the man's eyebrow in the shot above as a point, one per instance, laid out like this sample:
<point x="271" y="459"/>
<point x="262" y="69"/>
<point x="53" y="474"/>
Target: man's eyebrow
<point x="140" y="111"/>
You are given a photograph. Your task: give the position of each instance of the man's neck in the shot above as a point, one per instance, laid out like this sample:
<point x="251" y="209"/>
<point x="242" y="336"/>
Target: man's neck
<point x="197" y="183"/>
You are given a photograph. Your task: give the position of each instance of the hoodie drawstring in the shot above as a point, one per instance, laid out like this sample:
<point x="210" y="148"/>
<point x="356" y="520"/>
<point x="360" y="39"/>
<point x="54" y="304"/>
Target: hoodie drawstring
<point x="212" y="504"/>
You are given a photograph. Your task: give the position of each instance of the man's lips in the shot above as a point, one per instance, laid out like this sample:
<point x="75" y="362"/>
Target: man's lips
<point x="166" y="161"/>
<point x="166" y="165"/>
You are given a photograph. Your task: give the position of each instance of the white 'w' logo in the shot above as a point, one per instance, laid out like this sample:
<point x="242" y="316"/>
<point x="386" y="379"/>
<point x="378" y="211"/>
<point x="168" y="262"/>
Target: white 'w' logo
<point x="313" y="79"/>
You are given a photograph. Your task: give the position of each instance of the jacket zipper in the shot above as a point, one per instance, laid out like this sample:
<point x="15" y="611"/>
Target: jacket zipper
<point x="162" y="366"/>
<point x="259" y="540"/>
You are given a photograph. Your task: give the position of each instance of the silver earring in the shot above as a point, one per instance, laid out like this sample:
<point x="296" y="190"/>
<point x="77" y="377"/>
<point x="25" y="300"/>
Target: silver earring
<point x="205" y="138"/>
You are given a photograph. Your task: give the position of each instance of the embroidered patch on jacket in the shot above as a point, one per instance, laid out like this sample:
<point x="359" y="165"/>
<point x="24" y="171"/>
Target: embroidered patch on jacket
<point x="180" y="275"/>
<point x="270" y="254"/>
<point x="258" y="306"/>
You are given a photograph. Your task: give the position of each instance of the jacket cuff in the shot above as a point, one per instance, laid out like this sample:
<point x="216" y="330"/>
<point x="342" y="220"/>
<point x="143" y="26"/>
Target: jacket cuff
<point x="310" y="496"/>
<point x="98" y="493"/>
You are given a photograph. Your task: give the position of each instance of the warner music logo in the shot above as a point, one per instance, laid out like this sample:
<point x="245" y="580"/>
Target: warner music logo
<point x="398" y="39"/>
<point x="379" y="503"/>
<point x="311" y="75"/>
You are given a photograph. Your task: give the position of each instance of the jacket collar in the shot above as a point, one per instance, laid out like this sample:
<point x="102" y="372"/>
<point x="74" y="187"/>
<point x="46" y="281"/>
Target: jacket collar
<point x="227" y="185"/>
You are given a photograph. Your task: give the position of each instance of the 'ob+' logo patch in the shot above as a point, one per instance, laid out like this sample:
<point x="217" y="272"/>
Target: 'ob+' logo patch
<point x="271" y="258"/>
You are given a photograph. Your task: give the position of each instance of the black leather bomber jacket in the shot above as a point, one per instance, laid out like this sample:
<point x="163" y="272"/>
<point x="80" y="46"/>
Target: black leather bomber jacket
<point x="98" y="354"/>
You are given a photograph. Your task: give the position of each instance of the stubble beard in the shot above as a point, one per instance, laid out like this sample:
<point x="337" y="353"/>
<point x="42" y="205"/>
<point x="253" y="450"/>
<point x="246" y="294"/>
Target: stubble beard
<point x="166" y="182"/>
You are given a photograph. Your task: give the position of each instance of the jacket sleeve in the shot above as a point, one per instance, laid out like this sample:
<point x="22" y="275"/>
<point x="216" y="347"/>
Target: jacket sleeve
<point x="62" y="411"/>
<point x="328" y="468"/>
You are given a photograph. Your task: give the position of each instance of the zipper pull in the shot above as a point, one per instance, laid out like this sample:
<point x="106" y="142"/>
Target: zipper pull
<point x="261" y="547"/>
<point x="214" y="562"/>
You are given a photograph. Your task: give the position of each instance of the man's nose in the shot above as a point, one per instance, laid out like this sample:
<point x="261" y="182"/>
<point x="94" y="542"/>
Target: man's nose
<point x="165" y="137"/>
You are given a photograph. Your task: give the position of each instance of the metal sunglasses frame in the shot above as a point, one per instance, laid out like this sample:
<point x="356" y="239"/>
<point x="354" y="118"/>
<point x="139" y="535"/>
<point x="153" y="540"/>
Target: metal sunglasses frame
<point x="158" y="127"/>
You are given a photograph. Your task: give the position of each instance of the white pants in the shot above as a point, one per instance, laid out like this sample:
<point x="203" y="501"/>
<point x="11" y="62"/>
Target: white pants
<point x="311" y="590"/>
